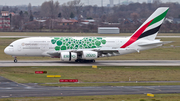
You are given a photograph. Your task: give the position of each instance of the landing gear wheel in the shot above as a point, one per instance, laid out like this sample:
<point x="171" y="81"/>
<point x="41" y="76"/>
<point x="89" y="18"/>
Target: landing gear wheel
<point x="93" y="60"/>
<point x="81" y="61"/>
<point x="15" y="60"/>
<point x="76" y="60"/>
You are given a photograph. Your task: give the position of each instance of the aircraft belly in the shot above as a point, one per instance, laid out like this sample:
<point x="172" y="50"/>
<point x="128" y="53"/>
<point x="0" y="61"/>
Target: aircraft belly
<point x="122" y="52"/>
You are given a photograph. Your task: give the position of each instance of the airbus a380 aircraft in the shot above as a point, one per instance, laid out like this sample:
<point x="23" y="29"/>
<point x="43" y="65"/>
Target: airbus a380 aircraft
<point x="86" y="49"/>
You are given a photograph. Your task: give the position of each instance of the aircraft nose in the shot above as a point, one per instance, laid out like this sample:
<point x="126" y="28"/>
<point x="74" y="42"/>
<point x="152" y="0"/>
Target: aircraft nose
<point x="6" y="51"/>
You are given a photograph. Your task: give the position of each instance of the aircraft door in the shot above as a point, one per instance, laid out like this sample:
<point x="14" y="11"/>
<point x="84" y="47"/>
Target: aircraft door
<point x="44" y="47"/>
<point x="19" y="47"/>
<point x="118" y="41"/>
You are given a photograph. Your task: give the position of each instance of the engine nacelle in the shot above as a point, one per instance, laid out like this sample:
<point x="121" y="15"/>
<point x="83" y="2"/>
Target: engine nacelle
<point x="89" y="55"/>
<point x="68" y="56"/>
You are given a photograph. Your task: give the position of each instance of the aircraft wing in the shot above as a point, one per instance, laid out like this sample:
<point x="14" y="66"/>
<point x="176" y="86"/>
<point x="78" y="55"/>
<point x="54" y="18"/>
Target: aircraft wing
<point x="106" y="50"/>
<point x="155" y="43"/>
<point x="54" y="54"/>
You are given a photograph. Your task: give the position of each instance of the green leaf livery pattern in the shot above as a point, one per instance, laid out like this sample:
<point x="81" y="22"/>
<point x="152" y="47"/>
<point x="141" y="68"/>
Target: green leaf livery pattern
<point x="64" y="43"/>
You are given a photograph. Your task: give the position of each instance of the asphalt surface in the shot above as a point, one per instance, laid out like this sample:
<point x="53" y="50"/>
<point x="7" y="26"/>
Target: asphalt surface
<point x="10" y="63"/>
<point x="11" y="89"/>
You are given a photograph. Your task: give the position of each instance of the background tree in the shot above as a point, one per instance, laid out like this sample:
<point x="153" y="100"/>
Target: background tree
<point x="21" y="13"/>
<point x="16" y="21"/>
<point x="72" y="15"/>
<point x="74" y="6"/>
<point x="126" y="17"/>
<point x="157" y="1"/>
<point x="59" y="15"/>
<point x="31" y="18"/>
<point x="134" y="16"/>
<point x="50" y="9"/>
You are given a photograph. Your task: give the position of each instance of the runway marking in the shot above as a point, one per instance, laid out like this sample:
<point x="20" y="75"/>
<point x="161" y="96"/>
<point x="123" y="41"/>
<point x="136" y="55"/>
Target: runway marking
<point x="4" y="96"/>
<point x="152" y="88"/>
<point x="98" y="63"/>
<point x="5" y="88"/>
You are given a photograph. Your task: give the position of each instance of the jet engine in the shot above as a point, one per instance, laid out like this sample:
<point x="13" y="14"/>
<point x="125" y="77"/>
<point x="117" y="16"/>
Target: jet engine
<point x="68" y="56"/>
<point x="89" y="55"/>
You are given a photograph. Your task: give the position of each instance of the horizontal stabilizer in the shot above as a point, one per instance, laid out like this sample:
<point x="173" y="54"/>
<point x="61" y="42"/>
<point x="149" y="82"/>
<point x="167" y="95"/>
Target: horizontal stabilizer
<point x="155" y="43"/>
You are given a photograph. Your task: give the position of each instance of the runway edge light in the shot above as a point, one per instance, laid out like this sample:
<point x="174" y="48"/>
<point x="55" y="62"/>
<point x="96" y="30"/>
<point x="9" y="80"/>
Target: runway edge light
<point x="57" y="76"/>
<point x="68" y="80"/>
<point x="53" y="76"/>
<point x="40" y="72"/>
<point x="50" y="76"/>
<point x="94" y="66"/>
<point x="150" y="95"/>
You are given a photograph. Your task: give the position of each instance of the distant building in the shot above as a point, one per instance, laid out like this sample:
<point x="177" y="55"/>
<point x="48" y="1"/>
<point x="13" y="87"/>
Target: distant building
<point x="12" y="13"/>
<point x="108" y="30"/>
<point x="101" y="3"/>
<point x="33" y="25"/>
<point x="149" y="1"/>
<point x="64" y="22"/>
<point x="4" y="23"/>
<point x="176" y="20"/>
<point x="5" y="13"/>
<point x="111" y="3"/>
<point x="157" y="1"/>
<point x="88" y="21"/>
<point x="169" y="20"/>
<point x="4" y="20"/>
<point x="125" y="3"/>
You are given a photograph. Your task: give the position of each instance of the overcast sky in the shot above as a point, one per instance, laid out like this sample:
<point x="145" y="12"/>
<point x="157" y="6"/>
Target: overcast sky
<point x="91" y="2"/>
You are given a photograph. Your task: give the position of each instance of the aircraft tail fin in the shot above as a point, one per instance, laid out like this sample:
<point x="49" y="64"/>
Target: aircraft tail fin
<point x="151" y="26"/>
<point x="149" y="29"/>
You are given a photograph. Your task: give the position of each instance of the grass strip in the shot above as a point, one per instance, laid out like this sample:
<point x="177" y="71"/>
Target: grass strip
<point x="88" y="74"/>
<point x="139" y="97"/>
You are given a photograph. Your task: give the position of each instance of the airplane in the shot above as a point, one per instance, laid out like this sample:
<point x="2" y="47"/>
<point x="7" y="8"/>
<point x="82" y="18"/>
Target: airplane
<point x="87" y="49"/>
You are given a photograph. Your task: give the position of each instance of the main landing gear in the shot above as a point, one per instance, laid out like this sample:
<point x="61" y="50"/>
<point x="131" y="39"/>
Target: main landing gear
<point x="15" y="59"/>
<point x="84" y="61"/>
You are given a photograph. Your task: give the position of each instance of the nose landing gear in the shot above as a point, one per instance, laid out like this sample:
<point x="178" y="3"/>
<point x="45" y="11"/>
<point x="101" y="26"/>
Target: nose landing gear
<point x="15" y="59"/>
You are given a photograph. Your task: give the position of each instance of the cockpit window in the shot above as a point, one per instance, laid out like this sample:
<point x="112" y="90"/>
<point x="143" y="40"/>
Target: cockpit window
<point x="10" y="45"/>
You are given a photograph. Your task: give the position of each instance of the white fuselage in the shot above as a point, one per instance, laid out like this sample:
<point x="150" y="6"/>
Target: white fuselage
<point x="40" y="46"/>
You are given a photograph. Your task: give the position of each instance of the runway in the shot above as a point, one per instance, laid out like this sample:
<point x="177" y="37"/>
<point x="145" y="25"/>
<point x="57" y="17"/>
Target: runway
<point x="10" y="63"/>
<point x="11" y="89"/>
